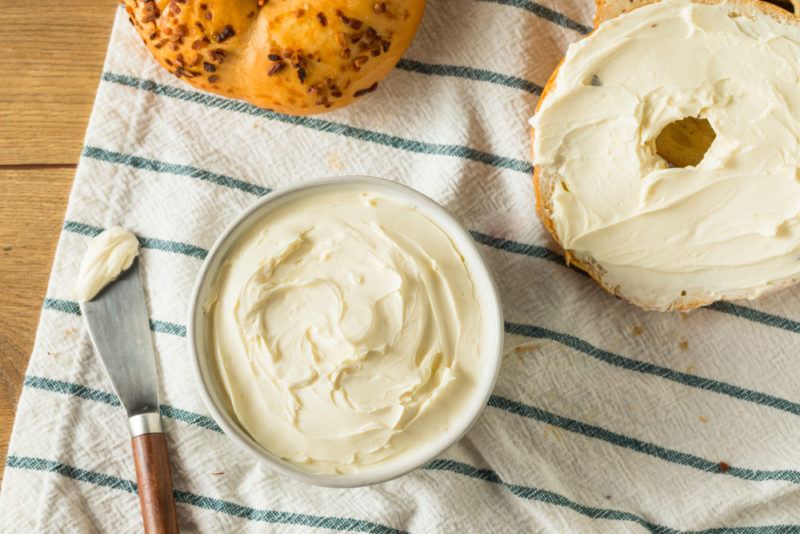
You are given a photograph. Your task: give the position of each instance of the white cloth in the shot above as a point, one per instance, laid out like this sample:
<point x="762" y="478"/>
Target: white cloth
<point x="605" y="417"/>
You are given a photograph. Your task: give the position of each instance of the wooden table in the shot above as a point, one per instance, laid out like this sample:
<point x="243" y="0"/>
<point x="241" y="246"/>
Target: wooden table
<point x="51" y="58"/>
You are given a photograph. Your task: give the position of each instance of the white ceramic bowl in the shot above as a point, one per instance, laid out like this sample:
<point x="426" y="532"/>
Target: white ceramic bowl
<point x="491" y="339"/>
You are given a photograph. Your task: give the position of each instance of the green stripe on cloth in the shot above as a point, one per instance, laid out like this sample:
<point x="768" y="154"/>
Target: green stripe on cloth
<point x="470" y="73"/>
<point x="767" y="529"/>
<point x="544" y="13"/>
<point x="545" y="496"/>
<point x="164" y="327"/>
<point x="137" y="162"/>
<point x="287" y="518"/>
<point x="173" y="246"/>
<point x="320" y="125"/>
<point x="64" y="306"/>
<point x="196" y="419"/>
<point x="515" y="247"/>
<point x="201" y="501"/>
<point x="644" y="447"/>
<point x="73" y="308"/>
<point x="524" y="249"/>
<point x="145" y="242"/>
<point x="737" y="310"/>
<point x="638" y="366"/>
<point x="87" y="393"/>
<point x="487" y="475"/>
<point x="82" y="229"/>
<point x="68" y="388"/>
<point x="538" y="332"/>
<point x="68" y="471"/>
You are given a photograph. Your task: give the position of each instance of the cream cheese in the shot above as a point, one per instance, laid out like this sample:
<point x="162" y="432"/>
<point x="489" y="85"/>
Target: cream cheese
<point x="728" y="227"/>
<point x="108" y="254"/>
<point x="346" y="330"/>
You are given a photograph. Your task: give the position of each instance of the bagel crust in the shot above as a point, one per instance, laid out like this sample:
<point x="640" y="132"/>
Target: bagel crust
<point x="545" y="183"/>
<point x="292" y="56"/>
<point x="609" y="9"/>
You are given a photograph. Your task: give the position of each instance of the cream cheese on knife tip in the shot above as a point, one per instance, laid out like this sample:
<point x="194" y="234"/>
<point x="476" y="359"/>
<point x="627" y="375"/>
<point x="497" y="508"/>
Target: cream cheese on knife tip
<point x="108" y="254"/>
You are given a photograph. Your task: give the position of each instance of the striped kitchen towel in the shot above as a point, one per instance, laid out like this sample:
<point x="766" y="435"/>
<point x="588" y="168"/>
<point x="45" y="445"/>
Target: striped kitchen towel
<point x="605" y="417"/>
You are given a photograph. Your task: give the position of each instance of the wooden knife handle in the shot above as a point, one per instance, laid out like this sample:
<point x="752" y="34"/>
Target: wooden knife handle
<point x="155" y="484"/>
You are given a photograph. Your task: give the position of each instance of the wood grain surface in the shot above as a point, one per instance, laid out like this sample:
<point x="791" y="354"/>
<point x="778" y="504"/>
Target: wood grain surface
<point x="51" y="56"/>
<point x="154" y="480"/>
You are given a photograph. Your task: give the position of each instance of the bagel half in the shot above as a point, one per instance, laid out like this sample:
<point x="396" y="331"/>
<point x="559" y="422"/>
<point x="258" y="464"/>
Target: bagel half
<point x="544" y="182"/>
<point x="292" y="56"/>
<point x="609" y="9"/>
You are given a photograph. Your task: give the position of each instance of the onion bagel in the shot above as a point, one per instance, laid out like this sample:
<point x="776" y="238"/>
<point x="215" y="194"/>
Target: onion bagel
<point x="292" y="56"/>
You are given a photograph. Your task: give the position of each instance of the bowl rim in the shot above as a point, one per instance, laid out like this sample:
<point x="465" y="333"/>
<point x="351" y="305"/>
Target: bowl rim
<point x="464" y="243"/>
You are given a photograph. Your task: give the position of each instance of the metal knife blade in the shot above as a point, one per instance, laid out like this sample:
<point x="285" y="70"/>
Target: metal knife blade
<point x="119" y="327"/>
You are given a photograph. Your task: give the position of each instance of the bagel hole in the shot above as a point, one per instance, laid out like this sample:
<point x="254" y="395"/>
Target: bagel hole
<point x="684" y="143"/>
<point x="788" y="5"/>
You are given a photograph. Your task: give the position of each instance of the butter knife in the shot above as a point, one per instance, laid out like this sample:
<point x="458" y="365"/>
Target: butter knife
<point x="119" y="328"/>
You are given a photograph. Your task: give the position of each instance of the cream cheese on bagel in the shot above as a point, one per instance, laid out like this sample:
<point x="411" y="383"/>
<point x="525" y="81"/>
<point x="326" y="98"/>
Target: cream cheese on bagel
<point x="665" y="237"/>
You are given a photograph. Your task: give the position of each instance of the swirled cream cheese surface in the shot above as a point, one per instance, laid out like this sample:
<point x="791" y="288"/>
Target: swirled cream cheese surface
<point x="346" y="330"/>
<point x="108" y="254"/>
<point x="729" y="226"/>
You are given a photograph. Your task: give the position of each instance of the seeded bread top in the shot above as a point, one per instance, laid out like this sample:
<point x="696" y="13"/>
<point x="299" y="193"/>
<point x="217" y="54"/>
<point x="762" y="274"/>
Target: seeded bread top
<point x="295" y="56"/>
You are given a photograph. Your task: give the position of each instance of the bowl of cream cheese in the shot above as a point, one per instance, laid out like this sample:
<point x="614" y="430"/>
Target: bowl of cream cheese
<point x="345" y="331"/>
